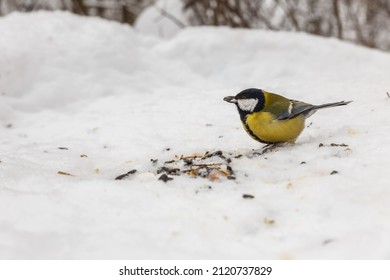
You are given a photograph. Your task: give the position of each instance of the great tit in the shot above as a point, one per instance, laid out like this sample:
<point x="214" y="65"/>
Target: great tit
<point x="271" y="118"/>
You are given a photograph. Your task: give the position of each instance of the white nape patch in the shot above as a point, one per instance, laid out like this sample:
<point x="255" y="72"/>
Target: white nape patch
<point x="247" y="104"/>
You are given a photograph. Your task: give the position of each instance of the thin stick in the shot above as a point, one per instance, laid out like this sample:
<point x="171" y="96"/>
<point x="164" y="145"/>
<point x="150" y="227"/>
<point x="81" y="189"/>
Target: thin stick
<point x="188" y="157"/>
<point x="171" y="17"/>
<point x="206" y="164"/>
<point x="64" y="173"/>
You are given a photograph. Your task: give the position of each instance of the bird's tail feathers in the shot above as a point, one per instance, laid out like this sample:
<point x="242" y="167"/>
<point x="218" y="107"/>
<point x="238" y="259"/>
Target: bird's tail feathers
<point x="328" y="105"/>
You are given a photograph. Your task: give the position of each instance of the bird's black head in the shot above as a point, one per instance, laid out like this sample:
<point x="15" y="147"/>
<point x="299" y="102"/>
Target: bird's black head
<point x="248" y="101"/>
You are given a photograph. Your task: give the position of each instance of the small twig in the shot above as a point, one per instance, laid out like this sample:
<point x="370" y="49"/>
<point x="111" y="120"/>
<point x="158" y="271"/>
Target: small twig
<point x="339" y="145"/>
<point x="333" y="145"/>
<point x="388" y="94"/>
<point x="171" y="17"/>
<point x="64" y="173"/>
<point x="216" y="153"/>
<point x="188" y="157"/>
<point x="196" y="167"/>
<point x="206" y="164"/>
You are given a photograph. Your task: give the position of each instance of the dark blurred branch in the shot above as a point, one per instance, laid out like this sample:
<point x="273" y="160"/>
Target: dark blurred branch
<point x="290" y="13"/>
<point x="357" y="27"/>
<point x="384" y="5"/>
<point x="336" y="13"/>
<point x="366" y="22"/>
<point x="236" y="10"/>
<point x="78" y="7"/>
<point x="193" y="6"/>
<point x="171" y="17"/>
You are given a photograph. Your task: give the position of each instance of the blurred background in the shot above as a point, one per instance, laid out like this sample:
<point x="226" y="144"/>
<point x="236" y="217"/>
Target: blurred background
<point x="364" y="22"/>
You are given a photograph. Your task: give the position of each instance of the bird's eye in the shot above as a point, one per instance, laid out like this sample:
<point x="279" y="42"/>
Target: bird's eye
<point x="247" y="104"/>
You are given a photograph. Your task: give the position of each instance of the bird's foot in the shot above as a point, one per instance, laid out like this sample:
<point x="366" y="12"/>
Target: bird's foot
<point x="269" y="148"/>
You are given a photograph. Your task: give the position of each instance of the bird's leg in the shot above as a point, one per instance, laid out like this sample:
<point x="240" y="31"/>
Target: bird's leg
<point x="267" y="148"/>
<point x="270" y="147"/>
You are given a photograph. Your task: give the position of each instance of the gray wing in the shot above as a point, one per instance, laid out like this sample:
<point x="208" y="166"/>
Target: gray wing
<point x="296" y="108"/>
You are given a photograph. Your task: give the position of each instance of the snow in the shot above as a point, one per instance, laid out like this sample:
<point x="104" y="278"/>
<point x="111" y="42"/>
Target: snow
<point x="117" y="98"/>
<point x="164" y="19"/>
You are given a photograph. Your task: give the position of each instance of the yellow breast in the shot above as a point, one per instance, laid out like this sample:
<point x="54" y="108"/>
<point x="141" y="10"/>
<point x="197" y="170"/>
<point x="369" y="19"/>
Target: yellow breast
<point x="269" y="130"/>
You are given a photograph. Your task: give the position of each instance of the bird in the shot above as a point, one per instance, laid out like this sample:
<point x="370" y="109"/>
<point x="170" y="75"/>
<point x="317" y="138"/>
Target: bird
<point x="272" y="119"/>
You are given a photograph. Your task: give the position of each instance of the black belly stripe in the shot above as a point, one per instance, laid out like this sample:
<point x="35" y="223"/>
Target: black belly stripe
<point x="243" y="117"/>
<point x="250" y="132"/>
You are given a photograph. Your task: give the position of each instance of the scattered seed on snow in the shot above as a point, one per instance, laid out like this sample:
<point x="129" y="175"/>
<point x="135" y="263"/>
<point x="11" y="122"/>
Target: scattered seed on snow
<point x="123" y="176"/>
<point x="268" y="221"/>
<point x="165" y="178"/>
<point x="64" y="173"/>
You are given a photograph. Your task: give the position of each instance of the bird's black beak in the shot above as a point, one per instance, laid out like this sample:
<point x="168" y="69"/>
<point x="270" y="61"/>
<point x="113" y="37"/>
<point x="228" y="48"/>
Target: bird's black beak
<point x="230" y="99"/>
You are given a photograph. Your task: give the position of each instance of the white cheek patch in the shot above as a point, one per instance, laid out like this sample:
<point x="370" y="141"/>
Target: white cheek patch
<point x="247" y="104"/>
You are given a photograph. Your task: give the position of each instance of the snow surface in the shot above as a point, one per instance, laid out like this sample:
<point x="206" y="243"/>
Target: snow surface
<point x="121" y="98"/>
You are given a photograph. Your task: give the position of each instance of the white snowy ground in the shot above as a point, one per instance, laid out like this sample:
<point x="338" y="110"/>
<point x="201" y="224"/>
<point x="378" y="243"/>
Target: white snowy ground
<point x="122" y="98"/>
